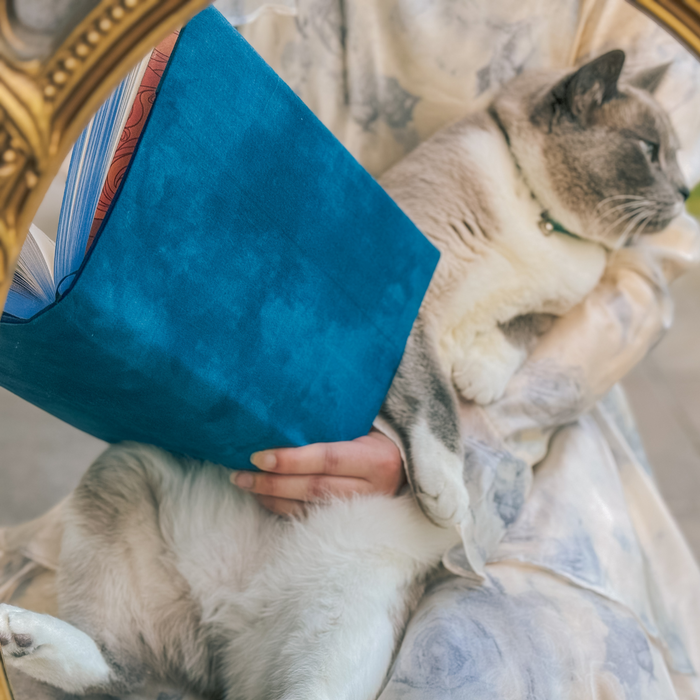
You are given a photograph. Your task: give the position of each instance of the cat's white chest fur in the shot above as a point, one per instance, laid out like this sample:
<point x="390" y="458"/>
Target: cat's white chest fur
<point x="496" y="263"/>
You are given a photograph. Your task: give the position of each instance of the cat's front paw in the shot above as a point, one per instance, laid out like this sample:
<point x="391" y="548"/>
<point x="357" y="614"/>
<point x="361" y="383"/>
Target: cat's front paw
<point x="445" y="506"/>
<point x="477" y="381"/>
<point x="435" y="474"/>
<point x="482" y="373"/>
<point x="51" y="650"/>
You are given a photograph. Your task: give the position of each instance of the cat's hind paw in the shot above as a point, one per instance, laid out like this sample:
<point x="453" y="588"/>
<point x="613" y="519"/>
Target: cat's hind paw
<point x="50" y="650"/>
<point x="14" y="639"/>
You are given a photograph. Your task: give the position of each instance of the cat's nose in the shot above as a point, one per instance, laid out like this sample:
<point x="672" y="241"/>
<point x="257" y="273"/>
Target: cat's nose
<point x="685" y="192"/>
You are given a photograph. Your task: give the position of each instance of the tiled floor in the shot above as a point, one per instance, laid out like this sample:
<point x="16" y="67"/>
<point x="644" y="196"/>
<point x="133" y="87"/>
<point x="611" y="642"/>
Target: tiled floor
<point x="41" y="459"/>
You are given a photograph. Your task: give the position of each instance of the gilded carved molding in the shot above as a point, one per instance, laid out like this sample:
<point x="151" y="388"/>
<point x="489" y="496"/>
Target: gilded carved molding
<point x="680" y="17"/>
<point x="5" y="692"/>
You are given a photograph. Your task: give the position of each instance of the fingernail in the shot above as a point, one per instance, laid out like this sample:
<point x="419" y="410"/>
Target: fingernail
<point x="244" y="480"/>
<point x="265" y="460"/>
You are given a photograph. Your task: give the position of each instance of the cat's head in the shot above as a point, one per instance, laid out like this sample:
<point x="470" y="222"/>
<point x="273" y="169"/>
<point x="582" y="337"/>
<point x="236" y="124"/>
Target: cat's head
<point x="598" y="151"/>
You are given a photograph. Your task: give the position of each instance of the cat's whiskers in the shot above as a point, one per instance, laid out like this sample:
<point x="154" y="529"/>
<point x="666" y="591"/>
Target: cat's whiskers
<point x="616" y="197"/>
<point x="605" y="207"/>
<point x="617" y="202"/>
<point x="627" y="234"/>
<point x="621" y="223"/>
<point x="640" y="231"/>
<point x="658" y="208"/>
<point x="612" y="206"/>
<point x="631" y="210"/>
<point x="618" y="207"/>
<point x="641" y="222"/>
<point x="634" y="238"/>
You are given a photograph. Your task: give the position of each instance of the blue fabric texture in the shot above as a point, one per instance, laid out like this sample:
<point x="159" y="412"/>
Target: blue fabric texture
<point x="252" y="286"/>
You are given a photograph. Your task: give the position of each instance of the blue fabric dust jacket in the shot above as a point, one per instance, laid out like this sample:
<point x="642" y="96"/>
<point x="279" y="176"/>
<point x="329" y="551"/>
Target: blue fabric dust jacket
<point x="251" y="287"/>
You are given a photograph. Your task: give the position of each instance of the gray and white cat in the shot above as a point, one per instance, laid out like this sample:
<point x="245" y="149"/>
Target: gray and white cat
<point x="170" y="574"/>
<point x="523" y="201"/>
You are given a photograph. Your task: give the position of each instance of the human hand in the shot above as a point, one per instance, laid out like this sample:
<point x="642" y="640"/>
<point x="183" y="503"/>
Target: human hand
<point x="291" y="477"/>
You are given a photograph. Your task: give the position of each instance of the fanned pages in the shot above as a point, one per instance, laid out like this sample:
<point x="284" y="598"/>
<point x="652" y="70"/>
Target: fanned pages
<point x="92" y="156"/>
<point x="34" y="287"/>
<point x="33" y="284"/>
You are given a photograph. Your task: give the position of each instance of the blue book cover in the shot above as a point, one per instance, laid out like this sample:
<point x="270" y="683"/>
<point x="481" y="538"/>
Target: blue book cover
<point x="251" y="287"/>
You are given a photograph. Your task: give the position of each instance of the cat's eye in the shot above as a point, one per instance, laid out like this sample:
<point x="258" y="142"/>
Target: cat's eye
<point x="650" y="149"/>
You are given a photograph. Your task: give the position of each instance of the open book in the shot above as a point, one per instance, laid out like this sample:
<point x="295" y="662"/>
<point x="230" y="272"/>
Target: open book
<point x="250" y="284"/>
<point x="99" y="159"/>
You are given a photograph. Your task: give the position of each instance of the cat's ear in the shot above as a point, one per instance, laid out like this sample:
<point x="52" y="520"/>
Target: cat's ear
<point x="589" y="87"/>
<point x="650" y="78"/>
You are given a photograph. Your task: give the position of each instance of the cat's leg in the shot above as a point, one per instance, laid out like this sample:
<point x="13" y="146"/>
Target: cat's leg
<point x="52" y="651"/>
<point x="337" y="594"/>
<point x="422" y="407"/>
<point x="483" y="368"/>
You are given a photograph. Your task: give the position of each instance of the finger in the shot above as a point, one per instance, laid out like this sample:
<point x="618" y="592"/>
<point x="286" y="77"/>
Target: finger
<point x="373" y="457"/>
<point x="282" y="506"/>
<point x="332" y="458"/>
<point x="301" y="487"/>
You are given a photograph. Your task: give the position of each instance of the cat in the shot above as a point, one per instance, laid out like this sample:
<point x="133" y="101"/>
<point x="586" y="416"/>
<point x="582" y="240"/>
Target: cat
<point x="585" y="152"/>
<point x="168" y="573"/>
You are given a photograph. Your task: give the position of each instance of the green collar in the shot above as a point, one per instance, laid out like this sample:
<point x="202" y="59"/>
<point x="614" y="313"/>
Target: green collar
<point x="548" y="226"/>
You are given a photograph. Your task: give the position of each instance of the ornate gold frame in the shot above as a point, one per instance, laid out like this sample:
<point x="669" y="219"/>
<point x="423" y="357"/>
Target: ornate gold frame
<point x="50" y="87"/>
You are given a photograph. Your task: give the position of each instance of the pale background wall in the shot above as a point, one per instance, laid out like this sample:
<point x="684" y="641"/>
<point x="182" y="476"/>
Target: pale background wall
<point x="664" y="391"/>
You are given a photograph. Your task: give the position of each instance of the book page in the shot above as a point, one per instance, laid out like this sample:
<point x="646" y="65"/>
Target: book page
<point x="32" y="284"/>
<point x="90" y="161"/>
<point x="46" y="217"/>
<point x="65" y="211"/>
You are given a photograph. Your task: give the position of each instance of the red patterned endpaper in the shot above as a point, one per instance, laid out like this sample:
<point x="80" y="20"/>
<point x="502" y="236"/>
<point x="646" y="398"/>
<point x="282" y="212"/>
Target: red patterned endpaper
<point x="145" y="97"/>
